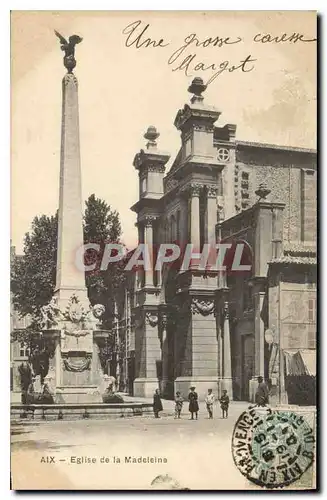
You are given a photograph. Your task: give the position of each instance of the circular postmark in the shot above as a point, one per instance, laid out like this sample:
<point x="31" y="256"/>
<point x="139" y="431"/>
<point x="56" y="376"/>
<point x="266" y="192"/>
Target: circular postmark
<point x="272" y="448"/>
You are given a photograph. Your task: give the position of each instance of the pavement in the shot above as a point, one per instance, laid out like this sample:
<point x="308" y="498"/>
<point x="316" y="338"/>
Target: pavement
<point x="98" y="454"/>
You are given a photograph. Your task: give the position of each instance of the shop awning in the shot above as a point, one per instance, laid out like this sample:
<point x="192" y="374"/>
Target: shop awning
<point x="301" y="362"/>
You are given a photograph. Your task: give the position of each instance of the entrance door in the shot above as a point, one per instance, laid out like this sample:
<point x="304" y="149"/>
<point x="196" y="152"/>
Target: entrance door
<point x="247" y="364"/>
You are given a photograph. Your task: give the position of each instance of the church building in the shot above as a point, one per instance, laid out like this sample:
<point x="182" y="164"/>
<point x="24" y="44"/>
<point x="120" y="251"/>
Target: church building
<point x="209" y="329"/>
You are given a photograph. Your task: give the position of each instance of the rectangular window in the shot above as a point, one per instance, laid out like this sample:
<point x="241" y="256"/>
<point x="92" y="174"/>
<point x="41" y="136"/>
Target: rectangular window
<point x="312" y="310"/>
<point x="245" y="190"/>
<point x="23" y="350"/>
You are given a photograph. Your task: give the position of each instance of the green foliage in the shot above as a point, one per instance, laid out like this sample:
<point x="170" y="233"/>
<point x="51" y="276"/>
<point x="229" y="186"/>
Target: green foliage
<point x="33" y="275"/>
<point x="25" y="375"/>
<point x="102" y="225"/>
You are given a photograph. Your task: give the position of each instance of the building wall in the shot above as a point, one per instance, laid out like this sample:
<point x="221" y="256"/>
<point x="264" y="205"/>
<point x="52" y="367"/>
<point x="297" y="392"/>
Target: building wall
<point x="292" y="179"/>
<point x="292" y="313"/>
<point x="298" y="318"/>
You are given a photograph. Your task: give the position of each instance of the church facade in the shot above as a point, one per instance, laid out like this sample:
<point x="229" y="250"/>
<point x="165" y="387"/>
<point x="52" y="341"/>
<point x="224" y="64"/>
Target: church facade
<point x="213" y="329"/>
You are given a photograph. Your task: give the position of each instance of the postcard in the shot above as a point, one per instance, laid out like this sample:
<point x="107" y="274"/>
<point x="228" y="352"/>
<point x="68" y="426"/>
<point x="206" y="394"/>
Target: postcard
<point x="163" y="250"/>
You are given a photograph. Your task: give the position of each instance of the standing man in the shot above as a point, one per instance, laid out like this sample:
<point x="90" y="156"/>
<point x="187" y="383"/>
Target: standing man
<point x="157" y="404"/>
<point x="194" y="405"/>
<point x="224" y="403"/>
<point x="262" y="393"/>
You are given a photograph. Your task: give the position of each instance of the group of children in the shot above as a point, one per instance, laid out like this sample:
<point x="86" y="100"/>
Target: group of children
<point x="193" y="403"/>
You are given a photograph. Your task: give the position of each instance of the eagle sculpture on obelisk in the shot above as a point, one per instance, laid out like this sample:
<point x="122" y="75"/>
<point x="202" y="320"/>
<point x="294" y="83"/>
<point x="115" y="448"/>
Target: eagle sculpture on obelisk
<point x="69" y="48"/>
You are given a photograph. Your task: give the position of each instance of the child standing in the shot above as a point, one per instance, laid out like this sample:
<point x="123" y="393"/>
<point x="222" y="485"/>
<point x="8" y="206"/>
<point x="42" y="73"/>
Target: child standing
<point x="178" y="404"/>
<point x="209" y="401"/>
<point x="224" y="403"/>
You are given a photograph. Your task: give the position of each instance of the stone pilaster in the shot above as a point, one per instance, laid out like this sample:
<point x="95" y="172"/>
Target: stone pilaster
<point x="259" y="292"/>
<point x="228" y="184"/>
<point x="225" y="380"/>
<point x="140" y="270"/>
<point x="212" y="192"/>
<point x="195" y="191"/>
<point x="200" y="355"/>
<point x="147" y="353"/>
<point x="163" y="324"/>
<point x="148" y="240"/>
<point x="277" y="230"/>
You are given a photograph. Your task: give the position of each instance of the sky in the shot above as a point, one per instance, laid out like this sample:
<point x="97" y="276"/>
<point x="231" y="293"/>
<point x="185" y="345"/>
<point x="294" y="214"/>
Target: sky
<point x="123" y="90"/>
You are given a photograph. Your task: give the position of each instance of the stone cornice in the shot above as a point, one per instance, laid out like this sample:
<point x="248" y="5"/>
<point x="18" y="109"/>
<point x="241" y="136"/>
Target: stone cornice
<point x="147" y="220"/>
<point x="197" y="163"/>
<point x="261" y="145"/>
<point x="151" y="203"/>
<point x="150" y="158"/>
<point x="192" y="189"/>
<point x="198" y="114"/>
<point x="250" y="213"/>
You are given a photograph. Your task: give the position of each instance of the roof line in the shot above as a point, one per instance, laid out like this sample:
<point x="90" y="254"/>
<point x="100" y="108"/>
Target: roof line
<point x="275" y="146"/>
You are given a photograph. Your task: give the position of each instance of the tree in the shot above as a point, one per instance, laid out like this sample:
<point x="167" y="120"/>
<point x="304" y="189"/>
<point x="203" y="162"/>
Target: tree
<point x="101" y="226"/>
<point x="33" y="275"/>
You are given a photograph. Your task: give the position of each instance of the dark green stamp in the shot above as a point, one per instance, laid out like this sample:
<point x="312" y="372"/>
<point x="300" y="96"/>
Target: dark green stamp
<point x="272" y="448"/>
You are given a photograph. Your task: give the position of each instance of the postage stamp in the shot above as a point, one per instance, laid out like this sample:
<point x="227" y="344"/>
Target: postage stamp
<point x="273" y="448"/>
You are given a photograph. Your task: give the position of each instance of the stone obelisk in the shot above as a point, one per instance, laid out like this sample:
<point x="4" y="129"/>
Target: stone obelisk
<point x="69" y="322"/>
<point x="70" y="276"/>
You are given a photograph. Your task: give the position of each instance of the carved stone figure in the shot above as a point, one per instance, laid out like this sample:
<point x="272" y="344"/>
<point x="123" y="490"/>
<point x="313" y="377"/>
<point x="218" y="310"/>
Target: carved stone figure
<point x="75" y="311"/>
<point x="50" y="314"/>
<point x="151" y="319"/>
<point x="98" y="310"/>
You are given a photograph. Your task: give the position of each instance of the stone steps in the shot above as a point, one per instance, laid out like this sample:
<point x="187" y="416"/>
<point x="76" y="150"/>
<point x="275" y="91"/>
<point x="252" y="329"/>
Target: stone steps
<point x="21" y="412"/>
